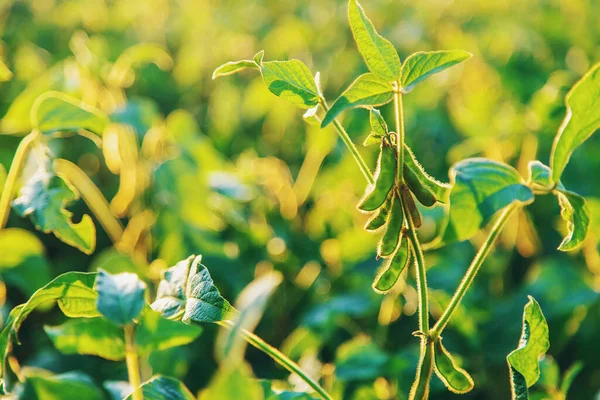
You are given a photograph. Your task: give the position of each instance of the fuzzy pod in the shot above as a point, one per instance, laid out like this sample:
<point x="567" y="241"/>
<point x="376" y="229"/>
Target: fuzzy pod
<point x="380" y="216"/>
<point x="411" y="206"/>
<point x="385" y="176"/>
<point x="389" y="273"/>
<point x="421" y="192"/>
<point x="393" y="233"/>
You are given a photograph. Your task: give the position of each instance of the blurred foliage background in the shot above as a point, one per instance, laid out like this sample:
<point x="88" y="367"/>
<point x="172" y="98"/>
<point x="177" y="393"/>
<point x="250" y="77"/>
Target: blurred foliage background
<point x="226" y="169"/>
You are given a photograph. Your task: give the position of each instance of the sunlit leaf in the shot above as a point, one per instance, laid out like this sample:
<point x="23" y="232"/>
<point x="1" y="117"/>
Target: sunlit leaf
<point x="233" y="381"/>
<point x="271" y="393"/>
<point x="122" y="74"/>
<point x="291" y="80"/>
<point x="367" y="90"/>
<point x="44" y="198"/>
<point x="581" y="121"/>
<point x="233" y="67"/>
<point x="524" y="361"/>
<point x="55" y="111"/>
<point x="378" y="125"/>
<point x="93" y="336"/>
<point x="120" y="297"/>
<point x="42" y="385"/>
<point x="421" y="65"/>
<point x="379" y="54"/>
<point x="456" y="379"/>
<point x="155" y="332"/>
<point x="163" y="387"/>
<point x="540" y="176"/>
<point x="481" y="188"/>
<point x="574" y="210"/>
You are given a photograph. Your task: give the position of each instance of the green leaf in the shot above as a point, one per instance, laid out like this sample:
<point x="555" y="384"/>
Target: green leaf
<point x="389" y="273"/>
<point x="155" y="332"/>
<point x="163" y="387"/>
<point x="524" y="361"/>
<point x="456" y="379"/>
<point x="421" y="65"/>
<point x="233" y="381"/>
<point x="581" y="121"/>
<point x="5" y="348"/>
<point x="271" y="393"/>
<point x="233" y="67"/>
<point x="379" y="54"/>
<point x="359" y="359"/>
<point x="574" y="210"/>
<point x="187" y="291"/>
<point x="120" y="297"/>
<point x="91" y="336"/>
<point x="44" y="198"/>
<point x="569" y="377"/>
<point x="481" y="188"/>
<point x="42" y="385"/>
<point x="55" y="111"/>
<point x="540" y="176"/>
<point x="440" y="190"/>
<point x="367" y="90"/>
<point x="5" y="74"/>
<point x="378" y="126"/>
<point x="291" y="80"/>
<point x="251" y="304"/>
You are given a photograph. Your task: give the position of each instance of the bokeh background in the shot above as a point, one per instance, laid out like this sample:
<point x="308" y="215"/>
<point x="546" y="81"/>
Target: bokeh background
<point x="228" y="170"/>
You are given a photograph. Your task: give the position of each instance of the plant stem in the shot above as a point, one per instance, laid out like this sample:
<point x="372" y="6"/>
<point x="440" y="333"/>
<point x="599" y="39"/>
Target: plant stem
<point x="133" y="367"/>
<point x="13" y="175"/>
<point x="481" y="255"/>
<point x="279" y="357"/>
<point x="92" y="196"/>
<point x="412" y="231"/>
<point x="350" y="145"/>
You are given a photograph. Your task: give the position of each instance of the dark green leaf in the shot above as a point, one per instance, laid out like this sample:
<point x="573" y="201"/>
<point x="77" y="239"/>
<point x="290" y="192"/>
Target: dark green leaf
<point x="55" y="111"/>
<point x="291" y="80"/>
<point x="574" y="210"/>
<point x="379" y="54"/>
<point x="120" y="297"/>
<point x="569" y="377"/>
<point x="421" y="65"/>
<point x="93" y="336"/>
<point x="581" y="121"/>
<point x="42" y="385"/>
<point x="44" y="198"/>
<point x="155" y="332"/>
<point x="233" y="67"/>
<point x="367" y="90"/>
<point x="456" y="379"/>
<point x="523" y="362"/>
<point x="233" y="381"/>
<point x="481" y="188"/>
<point x="162" y="388"/>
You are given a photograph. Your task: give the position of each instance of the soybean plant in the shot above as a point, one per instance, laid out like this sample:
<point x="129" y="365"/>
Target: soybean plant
<point x="480" y="191"/>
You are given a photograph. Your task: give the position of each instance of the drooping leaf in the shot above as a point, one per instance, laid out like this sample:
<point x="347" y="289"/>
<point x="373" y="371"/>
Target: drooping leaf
<point x="390" y="271"/>
<point x="155" y="332"/>
<point x="163" y="387"/>
<point x="481" y="188"/>
<point x="581" y="121"/>
<point x="524" y="361"/>
<point x="42" y="385"/>
<point x="379" y="54"/>
<point x="233" y="381"/>
<point x="251" y="303"/>
<point x="421" y="65"/>
<point x="440" y="190"/>
<point x="92" y="336"/>
<point x="120" y="297"/>
<point x="574" y="210"/>
<point x="44" y="198"/>
<point x="456" y="379"/>
<point x="367" y="90"/>
<point x="55" y="111"/>
<point x="232" y="67"/>
<point x="291" y="80"/>
<point x="378" y="125"/>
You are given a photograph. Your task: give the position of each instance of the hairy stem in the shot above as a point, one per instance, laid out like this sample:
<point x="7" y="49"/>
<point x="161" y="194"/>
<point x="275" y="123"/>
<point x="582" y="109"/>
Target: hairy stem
<point x="13" y="174"/>
<point x="350" y="145"/>
<point x="92" y="196"/>
<point x="133" y="366"/>
<point x="280" y="358"/>
<point x="467" y="280"/>
<point x="412" y="232"/>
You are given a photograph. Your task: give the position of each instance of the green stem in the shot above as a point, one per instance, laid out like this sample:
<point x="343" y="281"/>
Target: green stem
<point x="411" y="229"/>
<point x="481" y="255"/>
<point x="133" y="366"/>
<point x="279" y="357"/>
<point x="350" y="145"/>
<point x="13" y="174"/>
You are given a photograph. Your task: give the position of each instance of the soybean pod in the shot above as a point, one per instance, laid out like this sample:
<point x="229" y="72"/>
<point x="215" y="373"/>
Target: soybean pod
<point x="388" y="275"/>
<point x="411" y="207"/>
<point x="421" y="192"/>
<point x="385" y="177"/>
<point x="380" y="217"/>
<point x="393" y="233"/>
<point x="420" y="387"/>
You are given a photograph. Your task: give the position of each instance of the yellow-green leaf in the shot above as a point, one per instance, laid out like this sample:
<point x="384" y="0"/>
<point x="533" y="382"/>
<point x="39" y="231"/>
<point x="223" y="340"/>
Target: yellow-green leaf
<point x="574" y="210"/>
<point x="291" y="80"/>
<point x="233" y="67"/>
<point x="421" y="65"/>
<point x="164" y="387"/>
